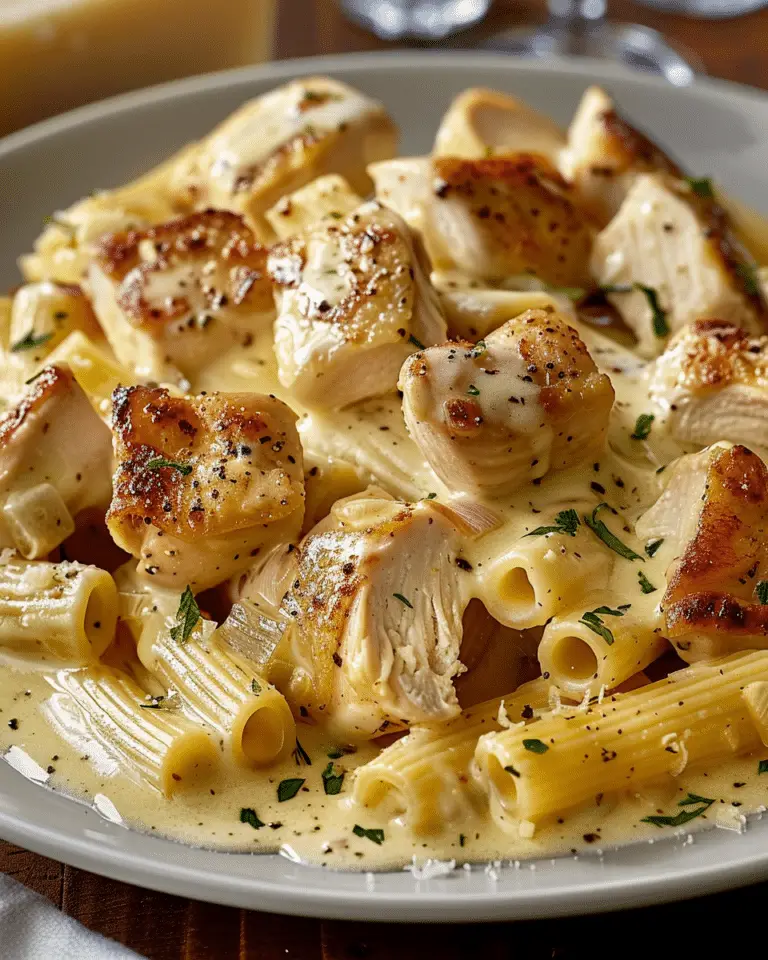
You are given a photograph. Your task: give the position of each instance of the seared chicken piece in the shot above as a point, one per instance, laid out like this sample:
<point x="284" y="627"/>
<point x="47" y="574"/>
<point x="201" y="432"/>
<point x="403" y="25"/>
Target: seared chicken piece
<point x="280" y="141"/>
<point x="352" y="303"/>
<point x="679" y="247"/>
<point x="493" y="415"/>
<point x="492" y="219"/>
<point x="715" y="597"/>
<point x="203" y="483"/>
<point x="173" y="297"/>
<point x="482" y="123"/>
<point x="605" y="154"/>
<point x="378" y="601"/>
<point x="327" y="198"/>
<point x="55" y="461"/>
<point x="711" y="383"/>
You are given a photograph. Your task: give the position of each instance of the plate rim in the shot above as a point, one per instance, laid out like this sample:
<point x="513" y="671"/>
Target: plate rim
<point x="432" y="903"/>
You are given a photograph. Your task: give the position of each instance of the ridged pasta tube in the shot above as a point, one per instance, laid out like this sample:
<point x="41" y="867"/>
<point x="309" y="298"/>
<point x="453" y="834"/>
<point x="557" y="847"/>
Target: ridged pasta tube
<point x="37" y="519"/>
<point x="586" y="648"/>
<point x="694" y="715"/>
<point x="155" y="743"/>
<point x="252" y="718"/>
<point x="60" y="611"/>
<point x="426" y="775"/>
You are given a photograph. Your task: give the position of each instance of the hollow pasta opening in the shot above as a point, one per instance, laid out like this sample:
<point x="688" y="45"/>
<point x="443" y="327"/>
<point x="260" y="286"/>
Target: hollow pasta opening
<point x="263" y="736"/>
<point x="99" y="618"/>
<point x="191" y="764"/>
<point x="573" y="659"/>
<point x="516" y="591"/>
<point x="502" y="783"/>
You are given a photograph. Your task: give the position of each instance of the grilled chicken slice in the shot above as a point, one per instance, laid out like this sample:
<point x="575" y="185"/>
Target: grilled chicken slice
<point x="352" y="303"/>
<point x="481" y="123"/>
<point x="55" y="461"/>
<point x="378" y="601"/>
<point x="493" y="219"/>
<point x="714" y="601"/>
<point x="327" y="198"/>
<point x="493" y="415"/>
<point x="173" y="297"/>
<point x="679" y="247"/>
<point x="280" y="141"/>
<point x="203" y="483"/>
<point x="605" y="154"/>
<point x="711" y="383"/>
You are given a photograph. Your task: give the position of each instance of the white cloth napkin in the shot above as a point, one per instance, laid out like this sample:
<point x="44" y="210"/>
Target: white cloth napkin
<point x="31" y="928"/>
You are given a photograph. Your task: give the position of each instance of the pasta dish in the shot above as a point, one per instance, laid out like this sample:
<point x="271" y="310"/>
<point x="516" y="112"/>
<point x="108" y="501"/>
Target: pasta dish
<point x="372" y="508"/>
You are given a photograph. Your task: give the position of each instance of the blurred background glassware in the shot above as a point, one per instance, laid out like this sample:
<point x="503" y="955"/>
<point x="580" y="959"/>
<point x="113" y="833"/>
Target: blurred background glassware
<point x="416" y="19"/>
<point x="59" y="54"/>
<point x="581" y="28"/>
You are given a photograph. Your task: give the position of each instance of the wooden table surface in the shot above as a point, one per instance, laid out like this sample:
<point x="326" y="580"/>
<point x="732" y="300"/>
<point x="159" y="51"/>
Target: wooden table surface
<point x="163" y="927"/>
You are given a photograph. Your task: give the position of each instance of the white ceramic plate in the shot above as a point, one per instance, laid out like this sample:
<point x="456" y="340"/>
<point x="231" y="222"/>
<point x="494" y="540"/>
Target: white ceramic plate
<point x="714" y="128"/>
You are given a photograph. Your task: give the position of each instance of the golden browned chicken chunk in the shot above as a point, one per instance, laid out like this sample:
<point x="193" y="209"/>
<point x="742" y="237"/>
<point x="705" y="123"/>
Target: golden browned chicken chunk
<point x="668" y="258"/>
<point x="711" y="383"/>
<point x="715" y="508"/>
<point x="353" y="302"/>
<point x="172" y="297"/>
<point x="493" y="415"/>
<point x="203" y="483"/>
<point x="55" y="461"/>
<point x="278" y="142"/>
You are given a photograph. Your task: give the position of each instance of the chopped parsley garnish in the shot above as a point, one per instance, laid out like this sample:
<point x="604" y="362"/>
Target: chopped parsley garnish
<point x="416" y="343"/>
<point x="748" y="277"/>
<point x="300" y="755"/>
<point x="609" y="539"/>
<point x="652" y="547"/>
<point x="155" y="703"/>
<point x="156" y="463"/>
<point x="535" y="746"/>
<point x="249" y="816"/>
<point x="761" y="591"/>
<point x="402" y="599"/>
<point x="30" y="341"/>
<point x="510" y="769"/>
<point x="462" y="839"/>
<point x="658" y="315"/>
<point x="287" y="789"/>
<point x="762" y="766"/>
<point x="473" y="391"/>
<point x="430" y="496"/>
<point x="645" y="584"/>
<point x="643" y="426"/>
<point x="335" y="754"/>
<point x="592" y="620"/>
<point x="697" y="804"/>
<point x="332" y="781"/>
<point x="255" y="686"/>
<point x="565" y="522"/>
<point x="187" y="617"/>
<point x="375" y="835"/>
<point x="478" y="350"/>
<point x="34" y="377"/>
<point x="701" y="186"/>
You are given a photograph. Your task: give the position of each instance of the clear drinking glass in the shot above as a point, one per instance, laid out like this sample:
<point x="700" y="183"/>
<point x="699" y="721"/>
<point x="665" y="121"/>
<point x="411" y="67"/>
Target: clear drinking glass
<point x="423" y="19"/>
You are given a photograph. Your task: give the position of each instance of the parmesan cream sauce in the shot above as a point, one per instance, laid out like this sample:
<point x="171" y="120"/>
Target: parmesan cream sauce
<point x="320" y="829"/>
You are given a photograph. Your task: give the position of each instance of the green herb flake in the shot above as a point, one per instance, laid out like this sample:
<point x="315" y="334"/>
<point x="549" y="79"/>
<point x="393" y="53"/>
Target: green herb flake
<point x="332" y="781"/>
<point x="30" y="342"/>
<point x="335" y="754"/>
<point x="478" y="350"/>
<point x="35" y="376"/>
<point x="155" y="703"/>
<point x="417" y="343"/>
<point x="701" y="186"/>
<point x="762" y="766"/>
<point x="510" y="769"/>
<point x="430" y="496"/>
<point x="402" y="599"/>
<point x="566" y="521"/>
<point x="652" y="548"/>
<point x="593" y="622"/>
<point x="761" y="592"/>
<point x="300" y="755"/>
<point x="645" y="584"/>
<point x="157" y="463"/>
<point x="747" y="275"/>
<point x="249" y="816"/>
<point x="535" y="746"/>
<point x="609" y="539"/>
<point x="462" y="839"/>
<point x="187" y="617"/>
<point x="255" y="686"/>
<point x="658" y="315"/>
<point x="697" y="804"/>
<point x="643" y="426"/>
<point x="375" y="835"/>
<point x="287" y="789"/>
<point x="473" y="391"/>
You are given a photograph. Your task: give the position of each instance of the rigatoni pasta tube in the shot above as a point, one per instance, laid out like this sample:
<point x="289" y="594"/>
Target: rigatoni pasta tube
<point x="215" y="687"/>
<point x="62" y="611"/>
<point x="426" y="777"/>
<point x="586" y="649"/>
<point x="540" y="576"/>
<point x="694" y="715"/>
<point x="156" y="743"/>
<point x="37" y="520"/>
